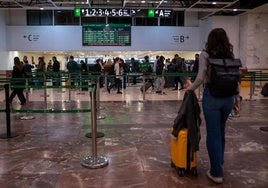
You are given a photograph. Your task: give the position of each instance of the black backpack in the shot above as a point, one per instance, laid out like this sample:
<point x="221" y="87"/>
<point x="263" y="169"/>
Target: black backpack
<point x="264" y="90"/>
<point x="224" y="76"/>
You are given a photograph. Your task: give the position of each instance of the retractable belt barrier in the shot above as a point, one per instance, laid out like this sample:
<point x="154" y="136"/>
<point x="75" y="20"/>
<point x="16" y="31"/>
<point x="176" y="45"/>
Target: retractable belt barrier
<point x="92" y="161"/>
<point x="252" y="77"/>
<point x="64" y="79"/>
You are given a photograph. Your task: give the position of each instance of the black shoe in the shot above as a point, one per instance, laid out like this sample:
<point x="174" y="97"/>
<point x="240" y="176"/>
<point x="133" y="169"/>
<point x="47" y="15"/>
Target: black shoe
<point x="158" y="91"/>
<point x="109" y="90"/>
<point x="175" y="89"/>
<point x="119" y="92"/>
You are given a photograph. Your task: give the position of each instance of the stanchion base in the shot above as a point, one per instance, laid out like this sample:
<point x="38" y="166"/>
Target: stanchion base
<point x="5" y="136"/>
<point x="27" y="117"/>
<point x="101" y="117"/>
<point x="264" y="129"/>
<point x="99" y="135"/>
<point x="99" y="162"/>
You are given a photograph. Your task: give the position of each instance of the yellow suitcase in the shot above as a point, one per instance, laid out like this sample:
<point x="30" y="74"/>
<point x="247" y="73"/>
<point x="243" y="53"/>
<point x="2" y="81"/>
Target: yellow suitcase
<point x="183" y="159"/>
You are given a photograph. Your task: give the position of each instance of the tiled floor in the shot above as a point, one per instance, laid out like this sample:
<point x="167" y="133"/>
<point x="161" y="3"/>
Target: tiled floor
<point x="49" y="149"/>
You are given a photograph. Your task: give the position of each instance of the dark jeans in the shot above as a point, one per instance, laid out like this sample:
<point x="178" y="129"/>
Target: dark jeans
<point x="177" y="80"/>
<point x="134" y="79"/>
<point x="117" y="83"/>
<point x="216" y="112"/>
<point x="19" y="93"/>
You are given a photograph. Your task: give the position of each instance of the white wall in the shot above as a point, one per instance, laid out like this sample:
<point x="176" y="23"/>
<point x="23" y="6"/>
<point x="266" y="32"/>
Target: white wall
<point x="229" y="23"/>
<point x="16" y="17"/>
<point x="4" y="55"/>
<point x="253" y="40"/>
<point x="2" y="30"/>
<point x="191" y="19"/>
<point x="69" y="38"/>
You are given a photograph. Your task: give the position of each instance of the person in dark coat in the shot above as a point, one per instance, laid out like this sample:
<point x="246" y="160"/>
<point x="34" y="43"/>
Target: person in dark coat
<point x="56" y="70"/>
<point x="17" y="75"/>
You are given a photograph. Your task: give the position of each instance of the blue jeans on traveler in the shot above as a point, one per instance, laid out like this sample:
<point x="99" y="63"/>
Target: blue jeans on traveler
<point x="216" y="112"/>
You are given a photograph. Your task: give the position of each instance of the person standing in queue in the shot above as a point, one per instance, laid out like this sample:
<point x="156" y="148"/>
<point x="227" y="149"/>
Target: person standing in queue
<point x="195" y="66"/>
<point x="28" y="70"/>
<point x="56" y="70"/>
<point x="216" y="109"/>
<point x="118" y="73"/>
<point x="41" y="69"/>
<point x="134" y="69"/>
<point x="73" y="70"/>
<point x="18" y="76"/>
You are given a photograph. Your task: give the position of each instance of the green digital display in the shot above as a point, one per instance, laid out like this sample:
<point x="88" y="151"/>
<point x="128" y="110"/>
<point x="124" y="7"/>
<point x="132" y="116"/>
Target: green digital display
<point x="106" y="35"/>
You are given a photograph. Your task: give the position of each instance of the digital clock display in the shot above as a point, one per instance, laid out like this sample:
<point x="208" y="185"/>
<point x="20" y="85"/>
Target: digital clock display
<point x="95" y="12"/>
<point x="106" y="35"/>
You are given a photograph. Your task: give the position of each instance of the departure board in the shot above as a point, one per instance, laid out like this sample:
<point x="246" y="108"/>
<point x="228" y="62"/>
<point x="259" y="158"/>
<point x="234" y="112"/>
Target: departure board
<point x="106" y="35"/>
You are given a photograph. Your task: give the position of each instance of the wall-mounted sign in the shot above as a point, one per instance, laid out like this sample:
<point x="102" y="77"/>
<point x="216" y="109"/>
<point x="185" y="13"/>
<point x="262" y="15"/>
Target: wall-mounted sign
<point x="100" y="12"/>
<point x="117" y="12"/>
<point x="159" y="13"/>
<point x="106" y="35"/>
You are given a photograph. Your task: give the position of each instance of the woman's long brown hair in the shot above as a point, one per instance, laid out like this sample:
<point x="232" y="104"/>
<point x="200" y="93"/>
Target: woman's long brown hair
<point x="218" y="45"/>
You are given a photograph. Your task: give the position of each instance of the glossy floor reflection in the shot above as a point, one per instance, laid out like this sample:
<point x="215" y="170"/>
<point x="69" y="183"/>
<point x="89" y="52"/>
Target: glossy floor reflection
<point x="49" y="149"/>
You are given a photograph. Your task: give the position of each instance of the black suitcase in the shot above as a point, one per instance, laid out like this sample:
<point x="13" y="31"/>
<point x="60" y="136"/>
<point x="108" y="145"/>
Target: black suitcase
<point x="264" y="90"/>
<point x="147" y="86"/>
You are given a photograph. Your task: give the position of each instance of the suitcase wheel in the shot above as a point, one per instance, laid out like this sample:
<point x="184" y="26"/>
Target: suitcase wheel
<point x="193" y="172"/>
<point x="172" y="165"/>
<point x="181" y="172"/>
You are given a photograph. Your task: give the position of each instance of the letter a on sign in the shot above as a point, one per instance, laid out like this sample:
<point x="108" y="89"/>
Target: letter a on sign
<point x="161" y="13"/>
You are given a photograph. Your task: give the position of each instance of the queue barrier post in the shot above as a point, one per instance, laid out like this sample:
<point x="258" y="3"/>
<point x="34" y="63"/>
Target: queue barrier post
<point x="94" y="161"/>
<point x="143" y="88"/>
<point x="8" y="134"/>
<point x="99" y="134"/>
<point x="98" y="99"/>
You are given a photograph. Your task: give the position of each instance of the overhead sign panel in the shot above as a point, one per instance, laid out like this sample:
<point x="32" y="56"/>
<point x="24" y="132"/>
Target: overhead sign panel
<point x="117" y="12"/>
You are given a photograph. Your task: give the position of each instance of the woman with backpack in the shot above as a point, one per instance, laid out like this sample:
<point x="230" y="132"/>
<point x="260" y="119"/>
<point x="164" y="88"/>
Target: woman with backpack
<point x="216" y="109"/>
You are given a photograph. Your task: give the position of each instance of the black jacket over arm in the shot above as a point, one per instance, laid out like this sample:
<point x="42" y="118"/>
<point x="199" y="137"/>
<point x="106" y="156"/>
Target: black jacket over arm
<point x="189" y="117"/>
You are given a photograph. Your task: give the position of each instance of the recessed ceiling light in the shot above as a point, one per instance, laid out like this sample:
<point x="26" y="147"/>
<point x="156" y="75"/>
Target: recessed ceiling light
<point x="41" y="8"/>
<point x="234" y="9"/>
<point x="214" y="3"/>
<point x="143" y="1"/>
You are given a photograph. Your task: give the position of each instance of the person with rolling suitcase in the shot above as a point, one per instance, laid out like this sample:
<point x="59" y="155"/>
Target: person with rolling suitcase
<point x="219" y="73"/>
<point x="146" y="69"/>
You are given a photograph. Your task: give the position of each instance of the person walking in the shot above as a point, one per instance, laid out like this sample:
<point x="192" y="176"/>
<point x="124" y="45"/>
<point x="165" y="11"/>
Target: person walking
<point x="216" y="109"/>
<point x="159" y="75"/>
<point x="17" y="79"/>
